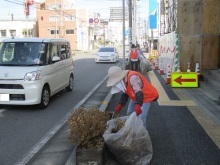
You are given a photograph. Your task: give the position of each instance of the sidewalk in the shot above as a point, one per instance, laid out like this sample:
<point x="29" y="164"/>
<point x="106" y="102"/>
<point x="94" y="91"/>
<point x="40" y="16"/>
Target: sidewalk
<point x="181" y="130"/>
<point x="181" y="124"/>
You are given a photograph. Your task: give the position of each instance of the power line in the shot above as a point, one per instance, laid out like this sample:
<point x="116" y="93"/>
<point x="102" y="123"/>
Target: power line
<point x="14" y="2"/>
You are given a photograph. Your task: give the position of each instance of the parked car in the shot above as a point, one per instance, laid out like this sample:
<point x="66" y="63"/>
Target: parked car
<point x="107" y="54"/>
<point x="34" y="69"/>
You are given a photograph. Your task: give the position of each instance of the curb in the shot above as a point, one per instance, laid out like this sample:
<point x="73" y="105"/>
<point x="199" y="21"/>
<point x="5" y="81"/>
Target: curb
<point x="106" y="101"/>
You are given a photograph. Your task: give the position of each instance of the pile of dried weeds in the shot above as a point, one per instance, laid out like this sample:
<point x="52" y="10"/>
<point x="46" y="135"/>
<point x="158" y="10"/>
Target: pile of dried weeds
<point x="86" y="127"/>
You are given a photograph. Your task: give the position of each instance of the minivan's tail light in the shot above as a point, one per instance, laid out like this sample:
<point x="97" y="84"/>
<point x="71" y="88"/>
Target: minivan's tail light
<point x="31" y="76"/>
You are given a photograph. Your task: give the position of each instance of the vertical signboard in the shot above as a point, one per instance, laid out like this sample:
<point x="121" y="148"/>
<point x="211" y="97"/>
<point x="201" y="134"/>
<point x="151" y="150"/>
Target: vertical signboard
<point x="153" y="14"/>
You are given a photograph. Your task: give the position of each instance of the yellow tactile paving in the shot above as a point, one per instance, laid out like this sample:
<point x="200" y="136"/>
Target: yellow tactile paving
<point x="177" y="103"/>
<point x="211" y="128"/>
<point x="164" y="99"/>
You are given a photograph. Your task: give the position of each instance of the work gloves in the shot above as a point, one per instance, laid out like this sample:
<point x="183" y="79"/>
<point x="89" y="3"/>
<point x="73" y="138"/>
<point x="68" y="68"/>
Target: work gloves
<point x="118" y="108"/>
<point x="137" y="109"/>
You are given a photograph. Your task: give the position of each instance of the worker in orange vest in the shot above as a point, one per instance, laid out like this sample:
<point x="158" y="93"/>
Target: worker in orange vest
<point x="134" y="86"/>
<point x="134" y="57"/>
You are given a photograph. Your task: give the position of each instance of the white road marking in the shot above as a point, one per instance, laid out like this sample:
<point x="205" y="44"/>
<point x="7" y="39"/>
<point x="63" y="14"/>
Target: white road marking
<point x="1" y="112"/>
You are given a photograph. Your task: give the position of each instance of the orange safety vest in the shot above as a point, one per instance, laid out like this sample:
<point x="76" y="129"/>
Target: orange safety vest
<point x="150" y="93"/>
<point x="134" y="54"/>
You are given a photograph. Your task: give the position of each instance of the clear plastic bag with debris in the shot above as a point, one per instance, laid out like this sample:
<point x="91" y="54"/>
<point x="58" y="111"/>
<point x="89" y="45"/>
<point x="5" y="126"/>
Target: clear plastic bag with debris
<point x="131" y="145"/>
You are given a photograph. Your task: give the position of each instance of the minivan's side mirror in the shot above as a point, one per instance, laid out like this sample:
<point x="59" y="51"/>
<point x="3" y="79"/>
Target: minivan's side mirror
<point x="55" y="59"/>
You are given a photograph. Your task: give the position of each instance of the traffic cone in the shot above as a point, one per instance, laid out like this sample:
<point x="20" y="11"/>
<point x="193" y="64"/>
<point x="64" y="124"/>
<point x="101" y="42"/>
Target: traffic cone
<point x="178" y="69"/>
<point x="197" y="70"/>
<point x="161" y="71"/>
<point x="168" y="80"/>
<point x="188" y="68"/>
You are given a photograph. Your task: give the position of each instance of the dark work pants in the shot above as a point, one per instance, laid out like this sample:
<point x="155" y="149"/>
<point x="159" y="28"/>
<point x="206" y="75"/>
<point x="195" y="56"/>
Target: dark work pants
<point x="134" y="65"/>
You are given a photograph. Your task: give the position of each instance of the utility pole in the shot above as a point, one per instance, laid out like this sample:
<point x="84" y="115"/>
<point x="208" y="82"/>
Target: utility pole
<point x="130" y="21"/>
<point x="123" y="33"/>
<point x="56" y="19"/>
<point x="134" y="9"/>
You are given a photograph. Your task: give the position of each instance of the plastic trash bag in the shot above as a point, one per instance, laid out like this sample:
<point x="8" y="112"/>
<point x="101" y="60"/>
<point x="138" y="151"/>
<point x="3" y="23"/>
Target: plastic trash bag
<point x="131" y="145"/>
<point x="145" y="65"/>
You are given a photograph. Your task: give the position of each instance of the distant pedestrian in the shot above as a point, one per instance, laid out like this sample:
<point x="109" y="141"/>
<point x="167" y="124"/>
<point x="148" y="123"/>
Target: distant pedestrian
<point x="134" y="56"/>
<point x="134" y="86"/>
<point x="141" y="55"/>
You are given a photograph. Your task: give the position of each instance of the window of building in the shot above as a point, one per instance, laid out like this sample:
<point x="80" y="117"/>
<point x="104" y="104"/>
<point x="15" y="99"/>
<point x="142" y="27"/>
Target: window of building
<point x="3" y="33"/>
<point x="53" y="18"/>
<point x="70" y="18"/>
<point x="12" y="33"/>
<point x="42" y="18"/>
<point x="54" y="31"/>
<point x="27" y="32"/>
<point x="53" y="7"/>
<point x="69" y="31"/>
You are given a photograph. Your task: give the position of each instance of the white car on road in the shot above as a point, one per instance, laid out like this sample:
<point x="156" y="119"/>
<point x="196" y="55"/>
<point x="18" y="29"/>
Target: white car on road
<point x="107" y="54"/>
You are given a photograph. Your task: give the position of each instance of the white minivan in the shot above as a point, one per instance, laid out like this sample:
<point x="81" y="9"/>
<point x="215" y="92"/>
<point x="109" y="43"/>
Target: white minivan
<point x="34" y="69"/>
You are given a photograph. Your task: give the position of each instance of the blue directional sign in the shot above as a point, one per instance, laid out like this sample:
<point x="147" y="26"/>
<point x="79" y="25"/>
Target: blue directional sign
<point x="126" y="32"/>
<point x="153" y="20"/>
<point x="153" y="14"/>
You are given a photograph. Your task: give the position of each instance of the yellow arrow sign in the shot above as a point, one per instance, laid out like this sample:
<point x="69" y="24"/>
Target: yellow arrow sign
<point x="184" y="79"/>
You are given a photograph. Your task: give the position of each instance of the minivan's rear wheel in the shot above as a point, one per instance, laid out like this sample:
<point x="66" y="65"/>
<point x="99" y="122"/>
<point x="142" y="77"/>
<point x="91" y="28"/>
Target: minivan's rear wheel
<point x="71" y="82"/>
<point x="45" y="97"/>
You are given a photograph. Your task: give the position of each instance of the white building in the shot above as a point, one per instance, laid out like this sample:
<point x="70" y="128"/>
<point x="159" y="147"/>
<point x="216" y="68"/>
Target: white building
<point x="17" y="29"/>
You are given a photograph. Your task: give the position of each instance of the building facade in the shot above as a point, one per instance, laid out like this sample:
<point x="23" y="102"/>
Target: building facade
<point x="189" y="34"/>
<point x="17" y="29"/>
<point x="57" y="19"/>
<point x="60" y="19"/>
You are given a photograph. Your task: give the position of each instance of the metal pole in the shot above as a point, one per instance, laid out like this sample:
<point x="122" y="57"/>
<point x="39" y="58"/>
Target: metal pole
<point x="152" y="39"/>
<point x="56" y="19"/>
<point x="123" y="33"/>
<point x="26" y="26"/>
<point x="134" y="29"/>
<point x="130" y="22"/>
<point x="26" y="17"/>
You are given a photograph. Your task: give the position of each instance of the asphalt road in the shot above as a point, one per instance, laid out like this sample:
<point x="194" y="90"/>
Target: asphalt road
<point x="21" y="127"/>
